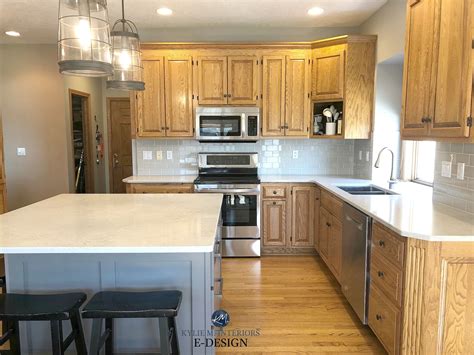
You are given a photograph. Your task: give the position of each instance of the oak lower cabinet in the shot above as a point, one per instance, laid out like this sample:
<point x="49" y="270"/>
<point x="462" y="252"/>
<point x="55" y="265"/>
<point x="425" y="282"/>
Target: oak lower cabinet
<point x="165" y="107"/>
<point x="159" y="188"/>
<point x="287" y="215"/>
<point x="438" y="48"/>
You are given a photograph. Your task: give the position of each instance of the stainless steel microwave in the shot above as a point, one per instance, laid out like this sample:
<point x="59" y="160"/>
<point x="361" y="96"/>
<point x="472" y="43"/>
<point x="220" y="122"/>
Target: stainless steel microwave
<point x="227" y="124"/>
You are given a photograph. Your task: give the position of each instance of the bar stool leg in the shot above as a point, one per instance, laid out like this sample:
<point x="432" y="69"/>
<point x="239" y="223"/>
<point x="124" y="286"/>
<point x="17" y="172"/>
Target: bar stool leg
<point x="56" y="337"/>
<point x="164" y="336"/>
<point x="79" y="339"/>
<point x="15" y="337"/>
<point x="109" y="343"/>
<point x="174" y="336"/>
<point x="96" y="335"/>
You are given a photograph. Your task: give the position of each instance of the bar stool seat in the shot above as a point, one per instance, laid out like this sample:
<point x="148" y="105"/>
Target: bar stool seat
<point x="109" y="305"/>
<point x="53" y="308"/>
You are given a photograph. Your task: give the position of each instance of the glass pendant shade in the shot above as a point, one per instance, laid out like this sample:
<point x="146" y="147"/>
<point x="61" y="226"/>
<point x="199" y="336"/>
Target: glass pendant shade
<point x="84" y="47"/>
<point x="126" y="57"/>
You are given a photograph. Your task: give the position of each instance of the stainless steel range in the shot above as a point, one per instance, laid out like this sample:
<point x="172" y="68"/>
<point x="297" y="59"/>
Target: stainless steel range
<point x="236" y="176"/>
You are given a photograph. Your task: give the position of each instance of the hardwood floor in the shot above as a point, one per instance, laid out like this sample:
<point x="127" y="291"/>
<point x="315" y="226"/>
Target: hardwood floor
<point x="297" y="305"/>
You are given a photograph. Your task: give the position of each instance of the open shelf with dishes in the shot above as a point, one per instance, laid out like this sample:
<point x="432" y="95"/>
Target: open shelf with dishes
<point x="327" y="120"/>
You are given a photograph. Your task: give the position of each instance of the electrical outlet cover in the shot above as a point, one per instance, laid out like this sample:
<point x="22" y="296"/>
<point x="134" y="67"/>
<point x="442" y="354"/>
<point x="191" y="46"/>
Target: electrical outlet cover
<point x="446" y="167"/>
<point x="295" y="154"/>
<point x="159" y="155"/>
<point x="21" y="152"/>
<point x="460" y="172"/>
<point x="169" y="154"/>
<point x="147" y="155"/>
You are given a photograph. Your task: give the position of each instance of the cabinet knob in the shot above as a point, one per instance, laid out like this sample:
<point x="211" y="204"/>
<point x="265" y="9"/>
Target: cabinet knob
<point x="229" y="95"/>
<point x="274" y="192"/>
<point x="423" y="119"/>
<point x="163" y="128"/>
<point x="428" y="119"/>
<point x="328" y="224"/>
<point x="382" y="243"/>
<point x="380" y="274"/>
<point x="378" y="317"/>
<point x="274" y="203"/>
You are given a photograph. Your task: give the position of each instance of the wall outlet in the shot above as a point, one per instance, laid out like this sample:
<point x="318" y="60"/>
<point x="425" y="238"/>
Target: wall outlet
<point x="169" y="154"/>
<point x="159" y="155"/>
<point x="147" y="155"/>
<point x="360" y="154"/>
<point x="460" y="172"/>
<point x="295" y="154"/>
<point x="446" y="167"/>
<point x="21" y="152"/>
<point x="367" y="156"/>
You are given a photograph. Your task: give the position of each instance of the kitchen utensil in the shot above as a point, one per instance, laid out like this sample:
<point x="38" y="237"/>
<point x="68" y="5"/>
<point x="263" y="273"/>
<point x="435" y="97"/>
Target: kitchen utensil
<point x="328" y="114"/>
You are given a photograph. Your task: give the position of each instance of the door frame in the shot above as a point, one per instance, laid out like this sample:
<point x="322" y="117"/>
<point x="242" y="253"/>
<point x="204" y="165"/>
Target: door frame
<point x="109" y="137"/>
<point x="90" y="188"/>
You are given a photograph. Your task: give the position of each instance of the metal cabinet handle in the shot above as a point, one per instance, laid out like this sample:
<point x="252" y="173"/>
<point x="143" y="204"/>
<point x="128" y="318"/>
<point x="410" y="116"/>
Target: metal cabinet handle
<point x="382" y="243"/>
<point x="378" y="317"/>
<point x="380" y="274"/>
<point x="115" y="160"/>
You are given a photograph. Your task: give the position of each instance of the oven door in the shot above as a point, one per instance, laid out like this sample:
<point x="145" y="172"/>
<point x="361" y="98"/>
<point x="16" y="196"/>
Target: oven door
<point x="218" y="127"/>
<point x="240" y="216"/>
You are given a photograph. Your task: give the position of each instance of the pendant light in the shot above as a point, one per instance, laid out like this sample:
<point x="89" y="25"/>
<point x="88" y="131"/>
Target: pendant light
<point x="84" y="47"/>
<point x="126" y="56"/>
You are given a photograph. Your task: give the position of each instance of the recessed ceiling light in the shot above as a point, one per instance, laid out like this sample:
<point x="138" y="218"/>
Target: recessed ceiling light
<point x="164" y="11"/>
<point x="13" y="33"/>
<point x="315" y="11"/>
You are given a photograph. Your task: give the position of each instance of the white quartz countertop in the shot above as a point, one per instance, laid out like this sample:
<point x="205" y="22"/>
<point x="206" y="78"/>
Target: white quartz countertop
<point x="412" y="213"/>
<point x="160" y="179"/>
<point x="113" y="223"/>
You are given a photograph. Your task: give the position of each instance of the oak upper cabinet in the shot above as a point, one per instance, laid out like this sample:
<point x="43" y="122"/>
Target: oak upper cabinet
<point x="273" y="96"/>
<point x="302" y="209"/>
<point x="227" y="80"/>
<point x="328" y="72"/>
<point x="149" y="105"/>
<point x="165" y="107"/>
<point x="178" y="94"/>
<point x="438" y="71"/>
<point x="274" y="222"/>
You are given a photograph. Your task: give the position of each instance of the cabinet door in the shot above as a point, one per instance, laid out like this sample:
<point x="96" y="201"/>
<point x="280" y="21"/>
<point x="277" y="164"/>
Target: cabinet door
<point x="178" y="92"/>
<point x="212" y="72"/>
<point x="150" y="103"/>
<point x="302" y="209"/>
<point x="316" y="218"/>
<point x="454" y="70"/>
<point x="273" y="96"/>
<point x="242" y="80"/>
<point x="328" y="73"/>
<point x="417" y="84"/>
<point x="324" y="225"/>
<point x="335" y="247"/>
<point x="274" y="223"/>
<point x="297" y="96"/>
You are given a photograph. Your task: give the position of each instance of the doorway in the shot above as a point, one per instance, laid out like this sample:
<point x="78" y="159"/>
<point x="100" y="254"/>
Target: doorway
<point x="120" y="142"/>
<point x="83" y="168"/>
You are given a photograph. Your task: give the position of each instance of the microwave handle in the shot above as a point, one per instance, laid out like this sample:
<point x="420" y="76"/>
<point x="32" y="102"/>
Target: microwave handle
<point x="243" y="125"/>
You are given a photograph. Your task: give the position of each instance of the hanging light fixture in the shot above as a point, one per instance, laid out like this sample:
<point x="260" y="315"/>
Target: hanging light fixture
<point x="84" y="47"/>
<point x="126" y="56"/>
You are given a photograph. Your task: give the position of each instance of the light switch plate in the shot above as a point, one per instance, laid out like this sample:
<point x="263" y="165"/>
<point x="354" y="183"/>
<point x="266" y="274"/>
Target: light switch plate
<point x="20" y="151"/>
<point x="169" y="154"/>
<point x="295" y="154"/>
<point x="367" y="156"/>
<point x="159" y="155"/>
<point x="446" y="167"/>
<point x="360" y="154"/>
<point x="147" y="155"/>
<point x="460" y="172"/>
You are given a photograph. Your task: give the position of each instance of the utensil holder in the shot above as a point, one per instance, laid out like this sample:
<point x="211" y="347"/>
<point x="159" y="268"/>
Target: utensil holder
<point x="330" y="128"/>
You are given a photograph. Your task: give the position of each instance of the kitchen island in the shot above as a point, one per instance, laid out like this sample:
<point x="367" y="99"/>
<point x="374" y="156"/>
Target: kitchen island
<point x="100" y="242"/>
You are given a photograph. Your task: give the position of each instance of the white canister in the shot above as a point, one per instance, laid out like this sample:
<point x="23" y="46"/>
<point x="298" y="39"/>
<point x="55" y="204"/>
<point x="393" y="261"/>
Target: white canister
<point x="330" y="128"/>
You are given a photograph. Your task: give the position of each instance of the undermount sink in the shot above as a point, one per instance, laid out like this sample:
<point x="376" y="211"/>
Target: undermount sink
<point x="366" y="190"/>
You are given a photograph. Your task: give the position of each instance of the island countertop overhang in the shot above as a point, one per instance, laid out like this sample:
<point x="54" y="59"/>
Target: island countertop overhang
<point x="113" y="223"/>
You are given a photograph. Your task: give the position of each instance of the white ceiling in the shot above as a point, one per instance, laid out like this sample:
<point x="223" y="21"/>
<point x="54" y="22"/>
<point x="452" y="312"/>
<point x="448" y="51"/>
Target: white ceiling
<point x="36" y="20"/>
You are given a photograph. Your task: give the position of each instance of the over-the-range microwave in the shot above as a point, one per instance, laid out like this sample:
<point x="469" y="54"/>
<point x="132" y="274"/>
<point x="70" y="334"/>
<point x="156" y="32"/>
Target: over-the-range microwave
<point x="228" y="124"/>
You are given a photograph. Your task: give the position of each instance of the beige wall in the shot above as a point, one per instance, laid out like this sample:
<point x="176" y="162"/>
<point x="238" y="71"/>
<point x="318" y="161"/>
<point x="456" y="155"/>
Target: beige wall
<point x="33" y="117"/>
<point x="389" y="24"/>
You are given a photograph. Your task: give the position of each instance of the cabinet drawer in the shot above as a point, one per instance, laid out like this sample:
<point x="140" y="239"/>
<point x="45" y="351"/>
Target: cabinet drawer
<point x="387" y="278"/>
<point x="332" y="204"/>
<point x="387" y="245"/>
<point x="384" y="320"/>
<point x="274" y="191"/>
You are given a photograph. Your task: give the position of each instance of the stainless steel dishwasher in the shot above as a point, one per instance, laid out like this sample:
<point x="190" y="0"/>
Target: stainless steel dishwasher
<point x="356" y="238"/>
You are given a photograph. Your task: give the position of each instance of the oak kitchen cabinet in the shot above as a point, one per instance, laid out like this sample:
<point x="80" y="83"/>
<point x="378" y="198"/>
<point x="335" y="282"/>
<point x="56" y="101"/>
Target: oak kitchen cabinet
<point x="165" y="107"/>
<point x="287" y="215"/>
<point x="159" y="188"/>
<point x="227" y="80"/>
<point x="285" y="95"/>
<point x="438" y="70"/>
<point x="343" y="74"/>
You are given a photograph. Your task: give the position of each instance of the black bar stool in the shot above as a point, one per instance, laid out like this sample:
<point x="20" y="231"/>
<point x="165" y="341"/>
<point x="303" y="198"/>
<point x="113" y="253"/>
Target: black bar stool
<point x="54" y="308"/>
<point x="108" y="305"/>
